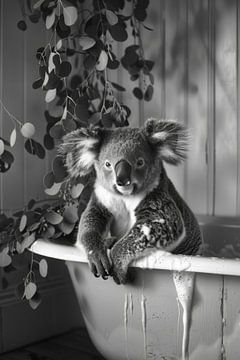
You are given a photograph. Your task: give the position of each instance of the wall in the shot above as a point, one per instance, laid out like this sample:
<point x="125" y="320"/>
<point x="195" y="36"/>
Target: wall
<point x="195" y="45"/>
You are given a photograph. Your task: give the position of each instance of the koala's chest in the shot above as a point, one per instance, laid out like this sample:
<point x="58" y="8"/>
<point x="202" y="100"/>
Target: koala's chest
<point x="122" y="210"/>
<point x="123" y="218"/>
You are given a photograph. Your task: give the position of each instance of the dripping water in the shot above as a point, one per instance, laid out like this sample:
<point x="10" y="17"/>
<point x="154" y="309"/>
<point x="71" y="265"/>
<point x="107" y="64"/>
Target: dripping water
<point x="144" y="325"/>
<point x="126" y="324"/>
<point x="184" y="284"/>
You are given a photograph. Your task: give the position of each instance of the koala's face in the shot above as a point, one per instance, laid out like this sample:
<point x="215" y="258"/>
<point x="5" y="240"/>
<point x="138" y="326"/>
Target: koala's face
<point x="126" y="163"/>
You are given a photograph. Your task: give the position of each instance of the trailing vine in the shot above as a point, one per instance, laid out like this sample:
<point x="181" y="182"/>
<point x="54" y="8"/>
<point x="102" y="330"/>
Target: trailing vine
<point x="74" y="74"/>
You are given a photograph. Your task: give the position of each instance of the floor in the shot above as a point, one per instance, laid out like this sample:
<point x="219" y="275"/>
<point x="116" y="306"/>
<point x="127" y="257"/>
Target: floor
<point x="75" y="345"/>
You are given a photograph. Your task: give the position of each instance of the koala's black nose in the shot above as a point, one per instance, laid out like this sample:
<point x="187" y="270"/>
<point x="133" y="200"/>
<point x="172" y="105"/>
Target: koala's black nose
<point x="123" y="173"/>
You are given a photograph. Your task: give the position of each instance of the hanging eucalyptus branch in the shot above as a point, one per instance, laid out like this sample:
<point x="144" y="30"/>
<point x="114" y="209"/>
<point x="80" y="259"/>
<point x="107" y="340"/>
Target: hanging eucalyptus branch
<point x="73" y="72"/>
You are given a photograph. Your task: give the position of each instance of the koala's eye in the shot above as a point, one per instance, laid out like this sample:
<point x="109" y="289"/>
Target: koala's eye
<point x="140" y="162"/>
<point x="107" y="164"/>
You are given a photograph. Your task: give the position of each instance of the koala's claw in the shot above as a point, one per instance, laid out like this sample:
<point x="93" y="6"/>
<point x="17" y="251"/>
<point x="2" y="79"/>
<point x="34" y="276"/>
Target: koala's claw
<point x="100" y="265"/>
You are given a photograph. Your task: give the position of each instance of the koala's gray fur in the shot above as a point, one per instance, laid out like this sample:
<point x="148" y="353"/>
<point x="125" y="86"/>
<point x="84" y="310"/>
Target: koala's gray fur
<point x="133" y="199"/>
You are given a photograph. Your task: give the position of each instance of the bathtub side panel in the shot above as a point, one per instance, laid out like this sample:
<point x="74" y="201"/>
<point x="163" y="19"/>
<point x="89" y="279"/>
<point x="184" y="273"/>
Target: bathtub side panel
<point x="144" y="319"/>
<point x="231" y="317"/>
<point x="206" y="326"/>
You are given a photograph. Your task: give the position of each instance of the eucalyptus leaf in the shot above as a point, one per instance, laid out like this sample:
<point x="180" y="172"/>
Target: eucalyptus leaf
<point x="86" y="42"/>
<point x="70" y="15"/>
<point x="66" y="227"/>
<point x="54" y="190"/>
<point x="64" y="69"/>
<point x="50" y="95"/>
<point x="138" y="93"/>
<point x="5" y="259"/>
<point x="1" y="147"/>
<point x="76" y="190"/>
<point x="50" y="19"/>
<point x="51" y="65"/>
<point x="28" y="130"/>
<point x="30" y="290"/>
<point x="43" y="268"/>
<point x="148" y="93"/>
<point x="35" y="301"/>
<point x="102" y="61"/>
<point x="111" y="17"/>
<point x="23" y="222"/>
<point x="37" y="84"/>
<point x="27" y="242"/>
<point x="53" y="217"/>
<point x="38" y="4"/>
<point x="57" y="131"/>
<point x="49" y="179"/>
<point x="22" y="25"/>
<point x="70" y="214"/>
<point x="59" y="169"/>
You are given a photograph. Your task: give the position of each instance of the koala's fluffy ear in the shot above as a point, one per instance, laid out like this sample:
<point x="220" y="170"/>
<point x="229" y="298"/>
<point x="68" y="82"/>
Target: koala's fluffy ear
<point x="80" y="149"/>
<point x="169" y="137"/>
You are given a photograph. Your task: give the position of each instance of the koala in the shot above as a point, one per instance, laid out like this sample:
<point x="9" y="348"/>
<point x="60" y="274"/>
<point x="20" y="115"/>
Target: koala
<point x="134" y="207"/>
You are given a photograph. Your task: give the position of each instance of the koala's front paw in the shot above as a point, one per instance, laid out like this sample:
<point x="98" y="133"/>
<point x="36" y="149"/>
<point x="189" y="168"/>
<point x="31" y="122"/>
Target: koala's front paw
<point x="99" y="263"/>
<point x="120" y="265"/>
<point x="119" y="274"/>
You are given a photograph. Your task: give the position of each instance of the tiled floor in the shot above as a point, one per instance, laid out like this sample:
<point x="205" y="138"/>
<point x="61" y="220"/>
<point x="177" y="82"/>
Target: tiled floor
<point x="75" y="345"/>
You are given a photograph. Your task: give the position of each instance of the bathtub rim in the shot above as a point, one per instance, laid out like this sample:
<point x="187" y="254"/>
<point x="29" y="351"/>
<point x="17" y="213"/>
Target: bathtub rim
<point x="158" y="261"/>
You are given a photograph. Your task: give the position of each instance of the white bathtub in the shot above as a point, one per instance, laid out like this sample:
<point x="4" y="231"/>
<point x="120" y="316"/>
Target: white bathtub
<point x="179" y="307"/>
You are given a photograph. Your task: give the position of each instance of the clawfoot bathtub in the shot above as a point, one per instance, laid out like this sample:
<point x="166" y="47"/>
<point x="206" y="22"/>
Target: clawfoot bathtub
<point x="179" y="307"/>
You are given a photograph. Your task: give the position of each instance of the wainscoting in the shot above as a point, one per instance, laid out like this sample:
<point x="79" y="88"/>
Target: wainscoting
<point x="74" y="345"/>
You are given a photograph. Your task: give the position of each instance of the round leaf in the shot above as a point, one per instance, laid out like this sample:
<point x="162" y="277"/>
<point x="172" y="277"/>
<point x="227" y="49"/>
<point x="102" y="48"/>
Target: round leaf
<point x="53" y="217"/>
<point x="65" y="69"/>
<point x="59" y="170"/>
<point x="1" y="147"/>
<point x="148" y="93"/>
<point x="38" y="4"/>
<point x="22" y="25"/>
<point x="51" y="65"/>
<point x="49" y="232"/>
<point x="35" y="301"/>
<point x="102" y="61"/>
<point x="138" y="93"/>
<point x="111" y="17"/>
<point x="59" y="44"/>
<point x="66" y="227"/>
<point x="95" y="118"/>
<point x="43" y="268"/>
<point x="70" y="15"/>
<point x="37" y="84"/>
<point x="118" y="32"/>
<point x="57" y="131"/>
<point x="86" y="42"/>
<point x="76" y="190"/>
<point x="28" y="130"/>
<point x="71" y="214"/>
<point x="50" y="19"/>
<point x="48" y="142"/>
<point x="50" y="95"/>
<point x="5" y="259"/>
<point x="48" y="180"/>
<point x="23" y="222"/>
<point x="26" y="243"/>
<point x="13" y="137"/>
<point x="30" y="290"/>
<point x="54" y="190"/>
